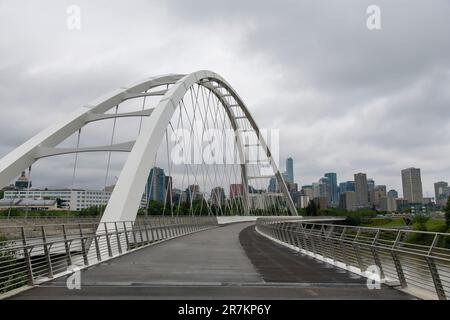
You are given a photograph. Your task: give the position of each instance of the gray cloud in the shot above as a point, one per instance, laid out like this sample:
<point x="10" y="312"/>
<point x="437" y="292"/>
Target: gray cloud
<point x="346" y="99"/>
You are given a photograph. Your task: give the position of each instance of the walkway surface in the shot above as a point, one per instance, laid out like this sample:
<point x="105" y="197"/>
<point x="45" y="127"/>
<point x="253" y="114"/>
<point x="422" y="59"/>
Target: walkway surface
<point x="229" y="262"/>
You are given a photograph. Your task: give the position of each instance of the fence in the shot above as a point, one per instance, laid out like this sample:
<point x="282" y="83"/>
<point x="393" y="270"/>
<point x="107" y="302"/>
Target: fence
<point x="30" y="255"/>
<point x="415" y="260"/>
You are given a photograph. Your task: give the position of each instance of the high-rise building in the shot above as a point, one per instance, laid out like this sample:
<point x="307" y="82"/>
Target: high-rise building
<point x="307" y="191"/>
<point x="379" y="193"/>
<point x="193" y="193"/>
<point x="361" y="190"/>
<point x="346" y="186"/>
<point x="392" y="194"/>
<point x="371" y="191"/>
<point x="290" y="170"/>
<point x="441" y="193"/>
<point x="347" y="200"/>
<point x="321" y="189"/>
<point x="235" y="190"/>
<point x="412" y="185"/>
<point x="327" y="190"/>
<point x="156" y="185"/>
<point x="273" y="185"/>
<point x="218" y="196"/>
<point x="332" y="178"/>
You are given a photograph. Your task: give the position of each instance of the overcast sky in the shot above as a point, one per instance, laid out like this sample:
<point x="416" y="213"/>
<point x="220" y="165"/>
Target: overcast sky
<point x="345" y="98"/>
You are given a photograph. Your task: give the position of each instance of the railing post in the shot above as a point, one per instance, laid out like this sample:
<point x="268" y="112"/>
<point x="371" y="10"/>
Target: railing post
<point x="108" y="243"/>
<point x="133" y="230"/>
<point x="126" y="235"/>
<point x="119" y="246"/>
<point x="177" y="226"/>
<point x="376" y="257"/>
<point x="330" y="243"/>
<point x="343" y="246"/>
<point x="170" y="227"/>
<point x="97" y="247"/>
<point x="152" y="230"/>
<point x="83" y="245"/>
<point x="187" y="223"/>
<point x="311" y="239"/>
<point x="397" y="263"/>
<point x="146" y="232"/>
<point x="163" y="222"/>
<point x="356" y="250"/>
<point x="300" y="237"/>
<point x="434" y="272"/>
<point x="47" y="253"/>
<point x="289" y="235"/>
<point x="140" y="233"/>
<point x="66" y="246"/>
<point x="27" y="258"/>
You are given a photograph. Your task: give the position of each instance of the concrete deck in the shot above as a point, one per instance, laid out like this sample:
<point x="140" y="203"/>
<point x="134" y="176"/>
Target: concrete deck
<point x="229" y="262"/>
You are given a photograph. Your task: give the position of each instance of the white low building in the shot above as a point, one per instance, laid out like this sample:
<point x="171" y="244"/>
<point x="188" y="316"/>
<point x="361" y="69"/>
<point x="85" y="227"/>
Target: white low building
<point x="75" y="199"/>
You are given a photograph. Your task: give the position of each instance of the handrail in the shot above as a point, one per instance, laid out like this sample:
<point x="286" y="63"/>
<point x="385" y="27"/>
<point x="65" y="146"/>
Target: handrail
<point x="54" y="249"/>
<point x="423" y="265"/>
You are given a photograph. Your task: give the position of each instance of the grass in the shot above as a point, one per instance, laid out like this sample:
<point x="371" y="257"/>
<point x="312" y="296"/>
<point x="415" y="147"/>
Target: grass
<point x="436" y="225"/>
<point x="385" y="223"/>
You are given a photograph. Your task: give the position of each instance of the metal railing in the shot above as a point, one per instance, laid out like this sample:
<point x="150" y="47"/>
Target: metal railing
<point x="414" y="260"/>
<point x="30" y="255"/>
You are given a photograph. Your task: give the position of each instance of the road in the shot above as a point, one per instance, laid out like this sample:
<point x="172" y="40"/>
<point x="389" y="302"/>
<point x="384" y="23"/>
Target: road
<point x="228" y="262"/>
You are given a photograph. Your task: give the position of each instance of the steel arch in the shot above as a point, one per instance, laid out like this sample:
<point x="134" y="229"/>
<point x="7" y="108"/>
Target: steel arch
<point x="125" y="199"/>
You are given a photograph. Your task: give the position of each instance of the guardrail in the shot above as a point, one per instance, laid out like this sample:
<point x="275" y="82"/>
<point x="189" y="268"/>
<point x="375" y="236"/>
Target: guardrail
<point x="31" y="255"/>
<point x="414" y="260"/>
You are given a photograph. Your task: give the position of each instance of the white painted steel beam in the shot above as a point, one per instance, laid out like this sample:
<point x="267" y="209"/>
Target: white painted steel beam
<point x="43" y="152"/>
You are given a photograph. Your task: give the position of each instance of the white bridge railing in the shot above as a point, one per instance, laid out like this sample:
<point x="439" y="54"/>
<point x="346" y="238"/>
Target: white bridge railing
<point x="414" y="260"/>
<point x="33" y="254"/>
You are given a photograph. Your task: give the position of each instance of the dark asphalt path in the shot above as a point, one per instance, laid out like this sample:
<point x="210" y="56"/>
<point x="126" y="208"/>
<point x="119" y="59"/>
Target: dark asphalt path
<point x="229" y="262"/>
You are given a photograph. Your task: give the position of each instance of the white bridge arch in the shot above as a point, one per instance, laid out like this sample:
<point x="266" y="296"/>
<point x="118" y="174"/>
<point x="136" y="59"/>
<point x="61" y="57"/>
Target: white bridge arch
<point x="126" y="197"/>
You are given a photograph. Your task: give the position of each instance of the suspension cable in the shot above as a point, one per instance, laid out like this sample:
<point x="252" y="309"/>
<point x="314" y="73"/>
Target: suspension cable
<point x="109" y="160"/>
<point x="74" y="172"/>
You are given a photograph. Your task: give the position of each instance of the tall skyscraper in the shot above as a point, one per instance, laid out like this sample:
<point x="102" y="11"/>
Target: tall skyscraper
<point x="371" y="191"/>
<point x="290" y="170"/>
<point x="332" y="179"/>
<point x="440" y="189"/>
<point x="273" y="185"/>
<point x="412" y="185"/>
<point x="156" y="185"/>
<point x="361" y="190"/>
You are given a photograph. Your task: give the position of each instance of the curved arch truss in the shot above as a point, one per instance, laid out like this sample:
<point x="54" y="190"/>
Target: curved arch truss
<point x="198" y="150"/>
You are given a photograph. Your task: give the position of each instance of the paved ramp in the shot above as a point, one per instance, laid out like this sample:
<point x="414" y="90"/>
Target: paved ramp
<point x="229" y="262"/>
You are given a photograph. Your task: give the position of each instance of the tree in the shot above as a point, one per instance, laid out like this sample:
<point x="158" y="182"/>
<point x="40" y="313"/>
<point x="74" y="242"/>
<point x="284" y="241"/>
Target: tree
<point x="447" y="213"/>
<point x="155" y="208"/>
<point x="311" y="209"/>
